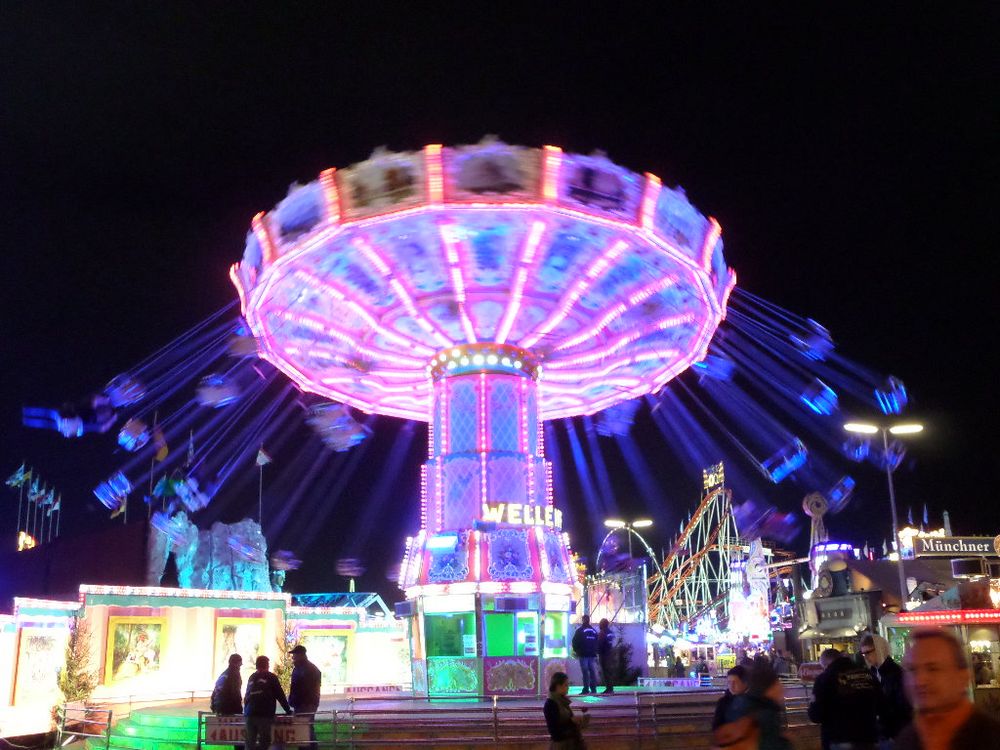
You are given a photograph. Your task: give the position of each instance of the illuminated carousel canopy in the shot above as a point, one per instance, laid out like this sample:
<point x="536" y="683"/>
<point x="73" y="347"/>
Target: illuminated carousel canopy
<point x="362" y="284"/>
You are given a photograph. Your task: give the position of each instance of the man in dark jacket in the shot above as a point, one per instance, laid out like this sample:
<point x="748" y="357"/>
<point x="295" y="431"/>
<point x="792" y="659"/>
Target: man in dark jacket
<point x="259" y="704"/>
<point x="736" y="684"/>
<point x="585" y="646"/>
<point x="606" y="652"/>
<point x="894" y="710"/>
<point x="303" y="695"/>
<point x="227" y="697"/>
<point x="845" y="704"/>
<point x="936" y="677"/>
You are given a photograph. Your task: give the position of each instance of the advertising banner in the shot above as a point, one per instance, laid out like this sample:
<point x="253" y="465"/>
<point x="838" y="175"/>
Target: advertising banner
<point x="231" y="730"/>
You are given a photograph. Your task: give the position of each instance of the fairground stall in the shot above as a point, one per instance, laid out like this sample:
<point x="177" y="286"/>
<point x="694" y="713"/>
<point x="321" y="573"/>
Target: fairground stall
<point x="150" y="644"/>
<point x="438" y="286"/>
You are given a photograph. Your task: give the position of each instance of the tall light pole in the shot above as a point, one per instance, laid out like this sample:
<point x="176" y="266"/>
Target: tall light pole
<point x="630" y="527"/>
<point x="911" y="428"/>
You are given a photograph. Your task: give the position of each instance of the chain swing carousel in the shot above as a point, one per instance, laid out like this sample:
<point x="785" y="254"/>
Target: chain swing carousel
<point x="484" y="289"/>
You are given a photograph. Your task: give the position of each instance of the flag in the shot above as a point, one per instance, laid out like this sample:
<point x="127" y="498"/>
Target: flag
<point x="34" y="491"/>
<point x="190" y="458"/>
<point x="926" y="522"/>
<point x="162" y="450"/>
<point x="262" y="458"/>
<point x="18" y="477"/>
<point x="866" y="552"/>
<point x="885" y="548"/>
<point x="909" y="515"/>
<point x="120" y="509"/>
<point x="48" y="498"/>
<point x="55" y="506"/>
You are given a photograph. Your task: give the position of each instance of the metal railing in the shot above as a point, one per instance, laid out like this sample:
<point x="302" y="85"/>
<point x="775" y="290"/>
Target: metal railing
<point x="78" y="722"/>
<point x="648" y="720"/>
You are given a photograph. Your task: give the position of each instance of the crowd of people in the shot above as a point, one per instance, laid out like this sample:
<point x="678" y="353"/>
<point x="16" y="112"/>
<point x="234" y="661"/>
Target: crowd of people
<point x="866" y="703"/>
<point x="875" y="704"/>
<point x="259" y="704"/>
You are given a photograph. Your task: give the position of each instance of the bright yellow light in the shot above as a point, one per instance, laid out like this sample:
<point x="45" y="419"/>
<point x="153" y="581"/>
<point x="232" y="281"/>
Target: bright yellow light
<point x="642" y="523"/>
<point x="614" y="523"/>
<point x="906" y="429"/>
<point x="867" y="429"/>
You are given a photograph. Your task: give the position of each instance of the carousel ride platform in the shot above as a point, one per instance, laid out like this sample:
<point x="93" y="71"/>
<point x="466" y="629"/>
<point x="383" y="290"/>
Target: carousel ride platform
<point x="630" y="718"/>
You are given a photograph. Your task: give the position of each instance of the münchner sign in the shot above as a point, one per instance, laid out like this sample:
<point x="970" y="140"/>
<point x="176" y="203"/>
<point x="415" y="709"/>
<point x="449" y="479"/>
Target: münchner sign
<point x="956" y="546"/>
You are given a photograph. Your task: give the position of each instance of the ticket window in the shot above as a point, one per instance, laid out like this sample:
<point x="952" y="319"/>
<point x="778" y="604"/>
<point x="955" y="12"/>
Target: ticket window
<point x="500" y="633"/>
<point x="450" y="634"/>
<point x="527" y="633"/>
<point x="556" y="634"/>
<point x="511" y="633"/>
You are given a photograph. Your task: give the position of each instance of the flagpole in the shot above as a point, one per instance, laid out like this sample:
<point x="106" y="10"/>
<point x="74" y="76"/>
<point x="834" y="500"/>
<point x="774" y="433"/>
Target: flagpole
<point x="260" y="496"/>
<point x="20" y="501"/>
<point x="41" y="537"/>
<point x="34" y="526"/>
<point x="58" y="515"/>
<point x="152" y="466"/>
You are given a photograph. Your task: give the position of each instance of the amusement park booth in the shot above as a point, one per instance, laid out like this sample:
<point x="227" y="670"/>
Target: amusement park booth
<point x="970" y="611"/>
<point x="147" y="644"/>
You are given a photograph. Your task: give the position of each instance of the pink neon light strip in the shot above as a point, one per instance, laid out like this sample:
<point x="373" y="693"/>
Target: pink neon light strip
<point x="320" y="326"/>
<point x="650" y="195"/>
<point x="589" y="333"/>
<point x="550" y="173"/>
<point x="649" y="290"/>
<point x="264" y="238"/>
<point x="576" y="291"/>
<point x="482" y="414"/>
<point x="521" y="277"/>
<point x="711" y="237"/>
<point x="331" y="196"/>
<point x="725" y="294"/>
<point x="234" y="277"/>
<point x="611" y="348"/>
<point x="542" y="554"/>
<point x="435" y="180"/>
<point x="458" y="284"/>
<point x="423" y="498"/>
<point x="372" y="256"/>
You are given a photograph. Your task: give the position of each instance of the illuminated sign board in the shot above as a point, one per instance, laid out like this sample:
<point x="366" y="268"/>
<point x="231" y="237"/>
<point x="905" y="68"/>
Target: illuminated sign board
<point x="516" y="514"/>
<point x="955" y="546"/>
<point x="713" y="476"/>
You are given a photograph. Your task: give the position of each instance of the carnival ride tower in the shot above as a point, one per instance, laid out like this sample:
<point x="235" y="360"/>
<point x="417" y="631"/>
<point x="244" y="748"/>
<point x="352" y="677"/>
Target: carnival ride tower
<point x="484" y="289"/>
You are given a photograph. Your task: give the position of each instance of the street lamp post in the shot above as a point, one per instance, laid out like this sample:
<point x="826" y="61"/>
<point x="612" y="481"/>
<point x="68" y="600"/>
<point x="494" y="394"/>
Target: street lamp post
<point x="630" y="527"/>
<point x="898" y="429"/>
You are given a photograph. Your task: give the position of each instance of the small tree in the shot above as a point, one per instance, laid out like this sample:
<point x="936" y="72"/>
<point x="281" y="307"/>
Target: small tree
<point x="622" y="671"/>
<point x="282" y="664"/>
<point x="77" y="679"/>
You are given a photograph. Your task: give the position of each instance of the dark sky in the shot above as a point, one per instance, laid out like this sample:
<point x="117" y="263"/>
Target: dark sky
<point x="850" y="157"/>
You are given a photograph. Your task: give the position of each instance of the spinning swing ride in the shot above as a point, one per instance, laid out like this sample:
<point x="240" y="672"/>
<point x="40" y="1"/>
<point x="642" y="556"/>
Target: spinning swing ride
<point x="485" y="289"/>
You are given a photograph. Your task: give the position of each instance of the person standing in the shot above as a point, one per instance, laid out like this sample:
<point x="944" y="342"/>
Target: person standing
<point x="264" y="691"/>
<point x="585" y="646"/>
<point x="736" y="684"/>
<point x="894" y="711"/>
<point x="606" y="652"/>
<point x="565" y="729"/>
<point x="936" y="678"/>
<point x="227" y="696"/>
<point x="845" y="704"/>
<point x="755" y="716"/>
<point x="303" y="695"/>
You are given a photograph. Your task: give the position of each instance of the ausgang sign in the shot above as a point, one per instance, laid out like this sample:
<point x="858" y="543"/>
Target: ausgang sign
<point x="955" y="546"/>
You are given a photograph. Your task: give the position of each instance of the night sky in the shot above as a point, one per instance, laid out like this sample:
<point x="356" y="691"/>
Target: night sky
<point x="850" y="158"/>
